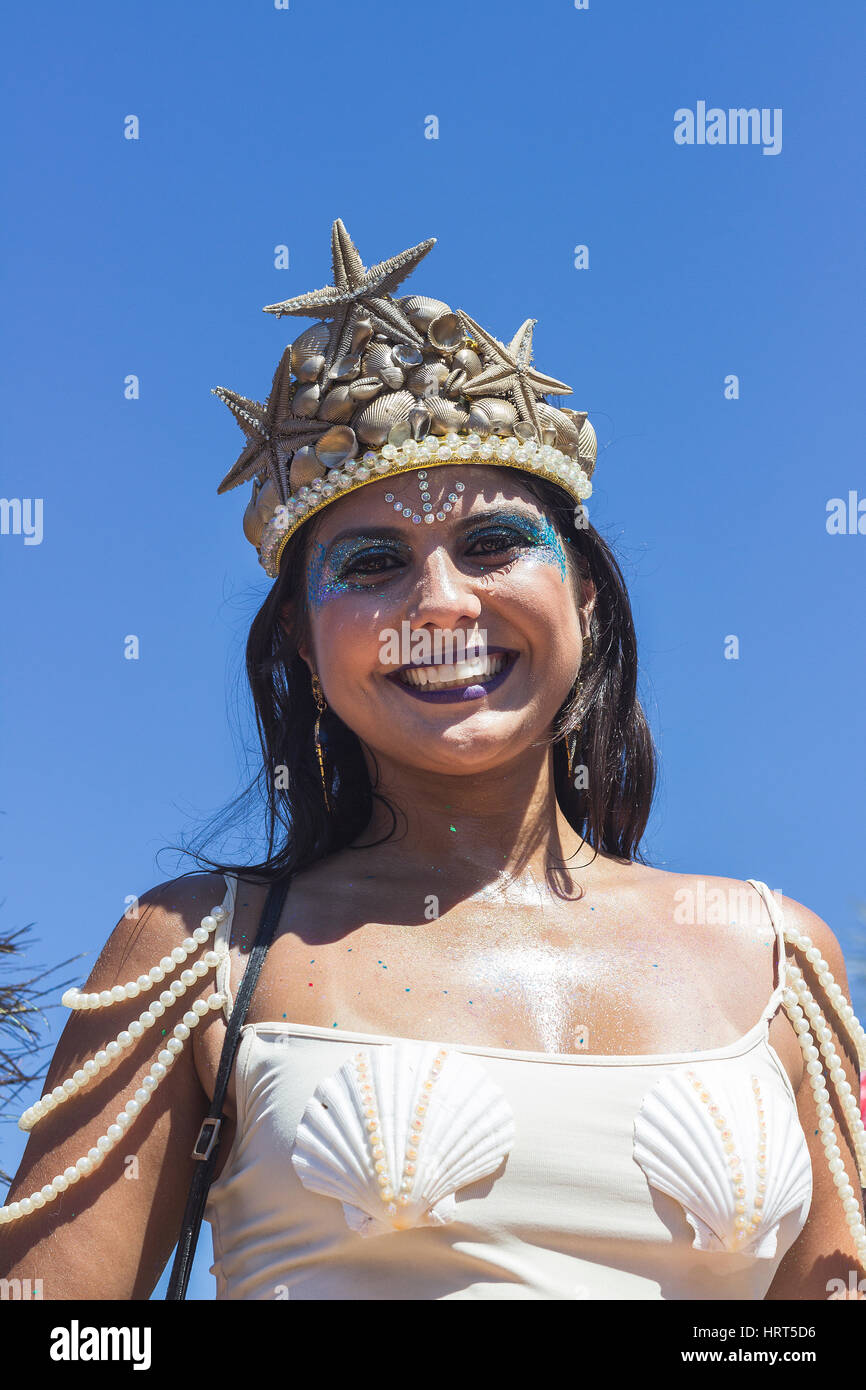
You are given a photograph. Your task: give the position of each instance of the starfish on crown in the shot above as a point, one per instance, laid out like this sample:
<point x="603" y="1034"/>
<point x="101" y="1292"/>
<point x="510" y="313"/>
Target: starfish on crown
<point x="545" y="460"/>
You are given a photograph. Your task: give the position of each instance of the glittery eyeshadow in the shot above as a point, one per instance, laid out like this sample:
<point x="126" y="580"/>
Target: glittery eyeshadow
<point x="325" y="578"/>
<point x="548" y="546"/>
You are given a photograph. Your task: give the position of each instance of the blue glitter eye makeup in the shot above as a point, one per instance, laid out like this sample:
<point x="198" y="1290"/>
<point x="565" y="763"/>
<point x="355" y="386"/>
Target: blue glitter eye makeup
<point x="352" y="564"/>
<point x="361" y="562"/>
<point x="517" y="529"/>
<point x="513" y="527"/>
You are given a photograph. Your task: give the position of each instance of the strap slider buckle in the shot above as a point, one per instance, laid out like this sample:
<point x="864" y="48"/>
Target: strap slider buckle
<point x="205" y="1139"/>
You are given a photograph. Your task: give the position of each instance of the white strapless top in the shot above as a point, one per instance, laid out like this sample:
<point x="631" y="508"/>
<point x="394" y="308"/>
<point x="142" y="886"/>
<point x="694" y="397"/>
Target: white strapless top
<point x="371" y="1167"/>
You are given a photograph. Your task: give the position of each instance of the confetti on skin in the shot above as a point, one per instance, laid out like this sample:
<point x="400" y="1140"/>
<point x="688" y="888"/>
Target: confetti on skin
<point x="451" y="827"/>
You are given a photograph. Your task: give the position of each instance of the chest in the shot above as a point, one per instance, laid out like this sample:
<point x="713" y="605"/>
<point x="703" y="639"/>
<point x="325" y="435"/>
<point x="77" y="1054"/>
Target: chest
<point x="512" y="981"/>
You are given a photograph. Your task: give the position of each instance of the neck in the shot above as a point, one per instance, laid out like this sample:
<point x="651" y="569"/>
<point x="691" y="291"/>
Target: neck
<point x="503" y="822"/>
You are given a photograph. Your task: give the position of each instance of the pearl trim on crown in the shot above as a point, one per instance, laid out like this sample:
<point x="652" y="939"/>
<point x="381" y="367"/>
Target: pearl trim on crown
<point x="429" y="452"/>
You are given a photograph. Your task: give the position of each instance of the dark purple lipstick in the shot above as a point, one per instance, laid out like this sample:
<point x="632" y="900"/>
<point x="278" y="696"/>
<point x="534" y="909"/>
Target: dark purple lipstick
<point x="467" y="692"/>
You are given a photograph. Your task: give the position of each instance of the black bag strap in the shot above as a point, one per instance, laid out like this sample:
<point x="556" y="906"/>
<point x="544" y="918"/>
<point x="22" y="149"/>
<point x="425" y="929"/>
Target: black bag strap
<point x="206" y="1146"/>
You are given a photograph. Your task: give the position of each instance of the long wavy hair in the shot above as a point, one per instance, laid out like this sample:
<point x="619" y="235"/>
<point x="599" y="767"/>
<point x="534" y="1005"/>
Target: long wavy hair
<point x="607" y="799"/>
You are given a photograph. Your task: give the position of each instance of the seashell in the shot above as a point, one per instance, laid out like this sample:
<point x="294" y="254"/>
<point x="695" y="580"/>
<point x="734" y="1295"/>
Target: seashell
<point x="446" y="332"/>
<point x="465" y="1133"/>
<point x="445" y="415"/>
<point x="313" y="342"/>
<point x="336" y="446"/>
<point x="362" y="332"/>
<point x="420" y="421"/>
<point x="254" y="522"/>
<point x="309" y="367"/>
<point x="406" y="355"/>
<point x="365" y="388"/>
<point x="427" y="379"/>
<point x="420" y="310"/>
<point x="464" y="366"/>
<point x="305" y="467"/>
<point x="393" y="377"/>
<point x="587" y="448"/>
<point x="346" y="369"/>
<point x="566" y="434"/>
<point x="337" y="405"/>
<point x="398" y="434"/>
<point x="375" y="420"/>
<point x="681" y="1151"/>
<point x="267" y="500"/>
<point x="468" y="360"/>
<point x="524" y="429"/>
<point x="377" y="356"/>
<point x="491" y="415"/>
<point x="306" y="399"/>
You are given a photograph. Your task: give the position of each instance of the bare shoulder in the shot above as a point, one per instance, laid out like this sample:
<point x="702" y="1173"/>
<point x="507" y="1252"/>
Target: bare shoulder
<point x="730" y="910"/>
<point x="819" y="934"/>
<point x="72" y="1238"/>
<point x="159" y="920"/>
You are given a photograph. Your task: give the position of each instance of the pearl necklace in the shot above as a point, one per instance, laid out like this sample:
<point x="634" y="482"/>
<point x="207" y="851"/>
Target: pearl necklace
<point x="76" y="999"/>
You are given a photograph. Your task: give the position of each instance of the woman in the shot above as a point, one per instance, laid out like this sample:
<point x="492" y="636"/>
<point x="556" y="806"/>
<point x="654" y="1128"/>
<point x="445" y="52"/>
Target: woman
<point x="491" y="1053"/>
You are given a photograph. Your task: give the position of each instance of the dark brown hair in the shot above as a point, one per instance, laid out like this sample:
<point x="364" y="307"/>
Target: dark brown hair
<point x="613" y="740"/>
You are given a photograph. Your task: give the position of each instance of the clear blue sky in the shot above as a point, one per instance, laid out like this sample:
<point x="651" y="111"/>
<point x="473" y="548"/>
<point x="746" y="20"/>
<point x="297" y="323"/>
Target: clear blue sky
<point x="155" y="256"/>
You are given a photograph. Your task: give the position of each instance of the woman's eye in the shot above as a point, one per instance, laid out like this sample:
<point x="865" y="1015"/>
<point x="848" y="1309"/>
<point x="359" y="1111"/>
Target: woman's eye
<point x="372" y="563"/>
<point x="492" y="542"/>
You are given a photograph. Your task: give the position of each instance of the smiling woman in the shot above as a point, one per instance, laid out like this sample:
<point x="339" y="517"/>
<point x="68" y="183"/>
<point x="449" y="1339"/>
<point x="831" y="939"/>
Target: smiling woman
<point x="341" y="597"/>
<point x="494" y="1055"/>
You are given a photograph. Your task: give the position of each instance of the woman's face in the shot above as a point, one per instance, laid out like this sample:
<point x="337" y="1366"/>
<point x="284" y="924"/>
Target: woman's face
<point x="384" y="593"/>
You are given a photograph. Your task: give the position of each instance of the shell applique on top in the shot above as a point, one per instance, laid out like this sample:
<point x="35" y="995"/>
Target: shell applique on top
<point x="397" y="1131"/>
<point x="731" y="1151"/>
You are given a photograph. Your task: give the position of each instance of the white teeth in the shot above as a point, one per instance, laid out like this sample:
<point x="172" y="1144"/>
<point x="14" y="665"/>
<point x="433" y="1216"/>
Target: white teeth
<point x="457" y="674"/>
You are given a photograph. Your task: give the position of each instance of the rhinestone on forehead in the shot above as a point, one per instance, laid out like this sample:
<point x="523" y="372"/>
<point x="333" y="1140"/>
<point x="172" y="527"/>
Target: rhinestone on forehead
<point x="427" y="513"/>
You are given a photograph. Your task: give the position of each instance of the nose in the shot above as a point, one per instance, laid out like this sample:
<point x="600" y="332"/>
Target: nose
<point x="444" y="596"/>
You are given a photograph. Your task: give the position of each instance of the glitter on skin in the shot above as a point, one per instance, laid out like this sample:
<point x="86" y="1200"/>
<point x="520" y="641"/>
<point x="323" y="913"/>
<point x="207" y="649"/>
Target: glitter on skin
<point x="328" y="578"/>
<point x="540" y="534"/>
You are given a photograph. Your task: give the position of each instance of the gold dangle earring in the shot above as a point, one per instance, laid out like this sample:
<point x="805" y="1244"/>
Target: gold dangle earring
<point x="321" y="706"/>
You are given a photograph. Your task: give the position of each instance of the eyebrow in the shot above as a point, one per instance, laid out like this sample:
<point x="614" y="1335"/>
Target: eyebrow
<point x="465" y="524"/>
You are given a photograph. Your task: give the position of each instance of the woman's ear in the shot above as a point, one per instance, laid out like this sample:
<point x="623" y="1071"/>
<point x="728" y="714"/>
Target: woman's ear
<point x="589" y="595"/>
<point x="286" y="621"/>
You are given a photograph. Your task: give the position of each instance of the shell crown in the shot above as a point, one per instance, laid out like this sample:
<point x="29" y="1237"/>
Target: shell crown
<point x="406" y="374"/>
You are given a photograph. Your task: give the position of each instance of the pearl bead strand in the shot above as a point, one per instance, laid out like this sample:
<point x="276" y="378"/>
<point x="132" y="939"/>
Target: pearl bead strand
<point x="75" y="999"/>
<point x="805" y="1014"/>
<point x="798" y="1003"/>
<point x="79" y="999"/>
<point x="89" y="1162"/>
<point x="848" y="1020"/>
<point x="125" y="1039"/>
